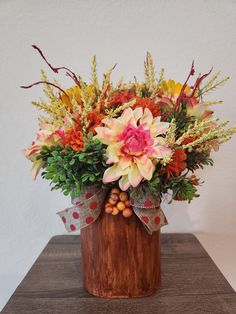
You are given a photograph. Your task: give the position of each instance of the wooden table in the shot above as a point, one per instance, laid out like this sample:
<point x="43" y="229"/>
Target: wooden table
<point x="191" y="283"/>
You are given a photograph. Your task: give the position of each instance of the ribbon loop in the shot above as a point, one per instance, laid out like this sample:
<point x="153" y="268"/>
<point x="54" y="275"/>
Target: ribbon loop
<point x="89" y="204"/>
<point x="147" y="207"/>
<point x="87" y="208"/>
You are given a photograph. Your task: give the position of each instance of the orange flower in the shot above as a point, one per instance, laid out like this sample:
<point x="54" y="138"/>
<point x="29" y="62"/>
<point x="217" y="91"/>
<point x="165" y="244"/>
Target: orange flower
<point x="125" y="96"/>
<point x="147" y="103"/>
<point x="95" y="119"/>
<point x="74" y="138"/>
<point x="121" y="98"/>
<point x="177" y="164"/>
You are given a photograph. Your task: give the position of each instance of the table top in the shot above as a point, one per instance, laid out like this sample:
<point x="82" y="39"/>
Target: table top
<point x="191" y="283"/>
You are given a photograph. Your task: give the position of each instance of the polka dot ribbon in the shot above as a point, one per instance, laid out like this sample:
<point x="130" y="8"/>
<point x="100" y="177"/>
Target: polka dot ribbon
<point x="87" y="208"/>
<point x="147" y="207"/>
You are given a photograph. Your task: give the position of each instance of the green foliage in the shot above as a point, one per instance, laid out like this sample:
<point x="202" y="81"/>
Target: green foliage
<point x="197" y="160"/>
<point x="183" y="121"/>
<point x="155" y="185"/>
<point x="182" y="188"/>
<point x="69" y="170"/>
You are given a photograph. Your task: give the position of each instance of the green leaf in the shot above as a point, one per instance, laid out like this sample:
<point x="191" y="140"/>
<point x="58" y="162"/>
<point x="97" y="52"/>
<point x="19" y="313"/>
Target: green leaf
<point x="71" y="163"/>
<point x="90" y="135"/>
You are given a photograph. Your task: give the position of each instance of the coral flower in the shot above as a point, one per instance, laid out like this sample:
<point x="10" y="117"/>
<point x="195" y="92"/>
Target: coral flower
<point x="121" y="98"/>
<point x="177" y="165"/>
<point x="74" y="138"/>
<point x="95" y="119"/>
<point x="134" y="146"/>
<point x="147" y="103"/>
<point x="45" y="137"/>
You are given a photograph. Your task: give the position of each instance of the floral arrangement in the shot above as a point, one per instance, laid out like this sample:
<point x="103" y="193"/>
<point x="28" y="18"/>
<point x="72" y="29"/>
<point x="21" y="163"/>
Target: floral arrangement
<point x="131" y="138"/>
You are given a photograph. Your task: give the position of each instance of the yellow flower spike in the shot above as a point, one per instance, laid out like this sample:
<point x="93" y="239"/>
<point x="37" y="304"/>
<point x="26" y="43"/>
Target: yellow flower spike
<point x="90" y="89"/>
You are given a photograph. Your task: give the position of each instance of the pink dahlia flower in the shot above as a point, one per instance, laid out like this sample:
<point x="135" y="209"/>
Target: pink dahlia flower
<point x="134" y="146"/>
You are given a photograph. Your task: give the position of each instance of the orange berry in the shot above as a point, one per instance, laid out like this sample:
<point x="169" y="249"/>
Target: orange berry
<point x="120" y="205"/>
<point x="123" y="196"/>
<point x="127" y="203"/>
<point x="114" y="196"/>
<point x="127" y="212"/>
<point x="111" y="201"/>
<point x="109" y="209"/>
<point x="115" y="191"/>
<point x="107" y="205"/>
<point x="115" y="211"/>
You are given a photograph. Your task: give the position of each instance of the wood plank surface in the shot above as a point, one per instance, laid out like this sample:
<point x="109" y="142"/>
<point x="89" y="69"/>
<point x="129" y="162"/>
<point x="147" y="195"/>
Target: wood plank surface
<point x="191" y="283"/>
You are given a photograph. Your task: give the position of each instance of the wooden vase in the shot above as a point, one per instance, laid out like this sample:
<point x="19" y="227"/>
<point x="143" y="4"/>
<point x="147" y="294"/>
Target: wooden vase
<point x="120" y="258"/>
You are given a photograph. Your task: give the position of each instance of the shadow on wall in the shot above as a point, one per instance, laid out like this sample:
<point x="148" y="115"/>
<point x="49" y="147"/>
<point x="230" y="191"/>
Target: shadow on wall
<point x="176" y="212"/>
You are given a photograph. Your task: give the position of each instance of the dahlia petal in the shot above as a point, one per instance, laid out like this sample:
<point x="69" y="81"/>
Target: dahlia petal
<point x="159" y="141"/>
<point x="125" y="162"/>
<point x="126" y="116"/>
<point x="158" y="128"/>
<point x="124" y="183"/>
<point x="113" y="153"/>
<point x="150" y="151"/>
<point x="162" y="151"/>
<point x="105" y="135"/>
<point x="146" y="169"/>
<point x="134" y="175"/>
<point x="143" y="159"/>
<point x="157" y="120"/>
<point x="113" y="173"/>
<point x="115" y="124"/>
<point x="147" y="117"/>
<point x="138" y="112"/>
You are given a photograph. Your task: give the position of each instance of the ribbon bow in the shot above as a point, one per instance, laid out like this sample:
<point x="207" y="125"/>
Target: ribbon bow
<point x="147" y="207"/>
<point x="89" y="204"/>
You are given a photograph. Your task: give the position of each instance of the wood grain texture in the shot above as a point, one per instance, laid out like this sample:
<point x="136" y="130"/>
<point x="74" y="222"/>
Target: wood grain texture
<point x="191" y="283"/>
<point x="120" y="258"/>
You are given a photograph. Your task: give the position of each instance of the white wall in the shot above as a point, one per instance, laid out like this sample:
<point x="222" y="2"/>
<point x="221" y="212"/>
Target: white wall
<point x="70" y="32"/>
